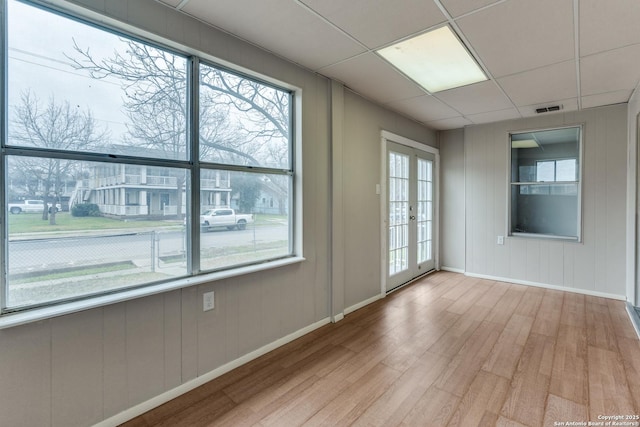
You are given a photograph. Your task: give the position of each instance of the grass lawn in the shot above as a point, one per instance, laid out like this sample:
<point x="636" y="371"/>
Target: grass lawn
<point x="33" y="223"/>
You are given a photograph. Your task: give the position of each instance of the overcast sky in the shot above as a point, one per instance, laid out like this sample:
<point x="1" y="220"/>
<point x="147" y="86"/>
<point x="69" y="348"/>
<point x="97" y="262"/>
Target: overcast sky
<point x="37" y="43"/>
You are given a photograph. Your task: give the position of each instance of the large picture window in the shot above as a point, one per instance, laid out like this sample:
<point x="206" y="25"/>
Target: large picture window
<point x="120" y="170"/>
<point x="545" y="183"/>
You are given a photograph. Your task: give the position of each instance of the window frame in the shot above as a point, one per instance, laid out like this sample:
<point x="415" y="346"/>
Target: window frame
<point x="579" y="180"/>
<point x="192" y="166"/>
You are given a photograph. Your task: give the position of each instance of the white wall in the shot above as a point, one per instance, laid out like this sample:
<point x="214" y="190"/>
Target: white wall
<point x="633" y="234"/>
<point x="79" y="369"/>
<point x="596" y="265"/>
<point x="363" y="122"/>
<point x="452" y="194"/>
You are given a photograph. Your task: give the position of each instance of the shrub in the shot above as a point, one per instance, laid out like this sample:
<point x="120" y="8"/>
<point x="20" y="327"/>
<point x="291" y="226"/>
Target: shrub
<point x="85" y="209"/>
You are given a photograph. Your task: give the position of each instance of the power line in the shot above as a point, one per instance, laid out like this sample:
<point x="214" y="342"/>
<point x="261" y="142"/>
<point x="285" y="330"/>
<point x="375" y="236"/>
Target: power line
<point x="55" y="68"/>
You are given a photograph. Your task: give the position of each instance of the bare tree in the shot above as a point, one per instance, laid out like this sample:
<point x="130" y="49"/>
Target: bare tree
<point x="241" y="121"/>
<point x="56" y="126"/>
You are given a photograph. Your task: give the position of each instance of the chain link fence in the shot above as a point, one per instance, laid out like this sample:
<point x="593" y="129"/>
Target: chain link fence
<point x="49" y="269"/>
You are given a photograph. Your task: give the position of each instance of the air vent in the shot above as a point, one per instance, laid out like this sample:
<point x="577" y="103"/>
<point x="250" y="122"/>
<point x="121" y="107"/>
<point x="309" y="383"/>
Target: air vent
<point x="548" y="109"/>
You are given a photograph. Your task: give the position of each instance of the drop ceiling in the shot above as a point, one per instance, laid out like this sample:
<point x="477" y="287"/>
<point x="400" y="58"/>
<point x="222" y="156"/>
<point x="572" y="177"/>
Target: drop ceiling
<point x="574" y="53"/>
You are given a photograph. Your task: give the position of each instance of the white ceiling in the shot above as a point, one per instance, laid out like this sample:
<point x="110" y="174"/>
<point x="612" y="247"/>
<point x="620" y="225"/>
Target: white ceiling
<point x="577" y="53"/>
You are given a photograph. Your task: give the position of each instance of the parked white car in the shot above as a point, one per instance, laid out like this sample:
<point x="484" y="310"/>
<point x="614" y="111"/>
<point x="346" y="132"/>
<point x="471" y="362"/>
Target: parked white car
<point x="30" y="206"/>
<point x="224" y="217"/>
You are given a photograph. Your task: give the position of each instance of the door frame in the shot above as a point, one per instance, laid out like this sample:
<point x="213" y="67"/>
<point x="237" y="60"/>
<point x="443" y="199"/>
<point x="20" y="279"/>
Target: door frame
<point x="385" y="138"/>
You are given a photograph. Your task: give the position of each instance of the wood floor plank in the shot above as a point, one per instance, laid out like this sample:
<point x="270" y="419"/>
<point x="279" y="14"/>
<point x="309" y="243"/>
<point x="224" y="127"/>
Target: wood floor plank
<point x="548" y="317"/>
<point x="560" y="410"/>
<point x="506" y="306"/>
<point x="487" y="393"/>
<point x="406" y="355"/>
<point x="201" y="414"/>
<point x="395" y="404"/>
<point x="600" y="330"/>
<point x="347" y="406"/>
<point x="463" y="368"/>
<point x="630" y="353"/>
<point x="469" y="298"/>
<point x="455" y="337"/>
<point x="505" y="355"/>
<point x="318" y="368"/>
<point x="447" y="349"/>
<point x="573" y="310"/>
<point x="526" y="401"/>
<point x="505" y="422"/>
<point x="530" y="303"/>
<point x="434" y="408"/>
<point x="462" y="287"/>
<point x="493" y="295"/>
<point x="609" y="392"/>
<point x="302" y="406"/>
<point x="269" y="376"/>
<point x="569" y="375"/>
<point x="620" y="318"/>
<point x="364" y="360"/>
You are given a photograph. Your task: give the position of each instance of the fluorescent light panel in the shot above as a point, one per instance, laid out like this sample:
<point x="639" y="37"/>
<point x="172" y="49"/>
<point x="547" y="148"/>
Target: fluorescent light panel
<point x="436" y="60"/>
<point x="524" y="143"/>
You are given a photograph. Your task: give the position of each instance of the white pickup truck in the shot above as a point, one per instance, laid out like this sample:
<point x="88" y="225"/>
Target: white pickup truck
<point x="29" y="206"/>
<point x="224" y="217"/>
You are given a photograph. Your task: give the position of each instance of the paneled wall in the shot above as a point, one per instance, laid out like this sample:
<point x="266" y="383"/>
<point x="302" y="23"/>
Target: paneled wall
<point x="452" y="211"/>
<point x="362" y="150"/>
<point x="633" y="201"/>
<point x="80" y="369"/>
<point x="598" y="263"/>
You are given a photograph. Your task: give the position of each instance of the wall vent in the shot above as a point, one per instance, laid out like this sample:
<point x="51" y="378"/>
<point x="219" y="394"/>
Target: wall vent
<point x="548" y="109"/>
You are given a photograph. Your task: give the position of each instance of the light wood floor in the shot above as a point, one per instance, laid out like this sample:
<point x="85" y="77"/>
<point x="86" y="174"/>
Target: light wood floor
<point x="448" y="350"/>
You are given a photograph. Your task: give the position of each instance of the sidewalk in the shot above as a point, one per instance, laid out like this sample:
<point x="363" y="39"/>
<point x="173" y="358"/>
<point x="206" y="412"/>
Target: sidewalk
<point x="47" y="235"/>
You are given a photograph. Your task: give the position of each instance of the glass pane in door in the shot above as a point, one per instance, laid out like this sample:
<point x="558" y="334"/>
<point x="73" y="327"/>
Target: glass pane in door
<point x="425" y="210"/>
<point x="398" y="213"/>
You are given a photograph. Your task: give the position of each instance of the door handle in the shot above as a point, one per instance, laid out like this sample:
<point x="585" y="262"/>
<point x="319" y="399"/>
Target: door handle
<point x="412" y="217"/>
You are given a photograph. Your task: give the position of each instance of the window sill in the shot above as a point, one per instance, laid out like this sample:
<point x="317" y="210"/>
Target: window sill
<point x="38" y="314"/>
<point x="545" y="236"/>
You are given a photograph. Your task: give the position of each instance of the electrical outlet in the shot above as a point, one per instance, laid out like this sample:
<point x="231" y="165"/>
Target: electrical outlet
<point x="500" y="240"/>
<point x="208" y="301"/>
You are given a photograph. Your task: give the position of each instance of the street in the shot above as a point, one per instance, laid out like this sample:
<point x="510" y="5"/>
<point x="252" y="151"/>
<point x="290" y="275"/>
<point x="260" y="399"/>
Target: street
<point x="61" y="252"/>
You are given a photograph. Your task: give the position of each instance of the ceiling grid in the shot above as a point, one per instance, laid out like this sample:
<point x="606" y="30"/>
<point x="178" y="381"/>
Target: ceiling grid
<point x="536" y="53"/>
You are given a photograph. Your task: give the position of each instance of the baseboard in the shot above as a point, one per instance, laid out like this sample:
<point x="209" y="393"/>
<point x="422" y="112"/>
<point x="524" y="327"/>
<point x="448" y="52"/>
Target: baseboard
<point x="547" y="286"/>
<point x="338" y="317"/>
<point x="163" y="398"/>
<point x="362" y="304"/>
<point x="452" y="270"/>
<point x="633" y="315"/>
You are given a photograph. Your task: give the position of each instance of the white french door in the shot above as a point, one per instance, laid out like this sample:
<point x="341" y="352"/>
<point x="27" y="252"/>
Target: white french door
<point x="410" y="221"/>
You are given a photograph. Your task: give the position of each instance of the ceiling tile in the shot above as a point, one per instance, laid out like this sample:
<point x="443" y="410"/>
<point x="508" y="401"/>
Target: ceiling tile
<point x="494" y="116"/>
<point x="567" y="105"/>
<point x="446" y="124"/>
<point x="537" y="86"/>
<point x="373" y="77"/>
<point x="460" y="7"/>
<point x="521" y="35"/>
<point x="610" y="71"/>
<point x="607" y="25"/>
<point x="172" y="3"/>
<point x="424" y="108"/>
<point x="606" y="98"/>
<point x="379" y="22"/>
<point x="280" y="26"/>
<point x="475" y="98"/>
